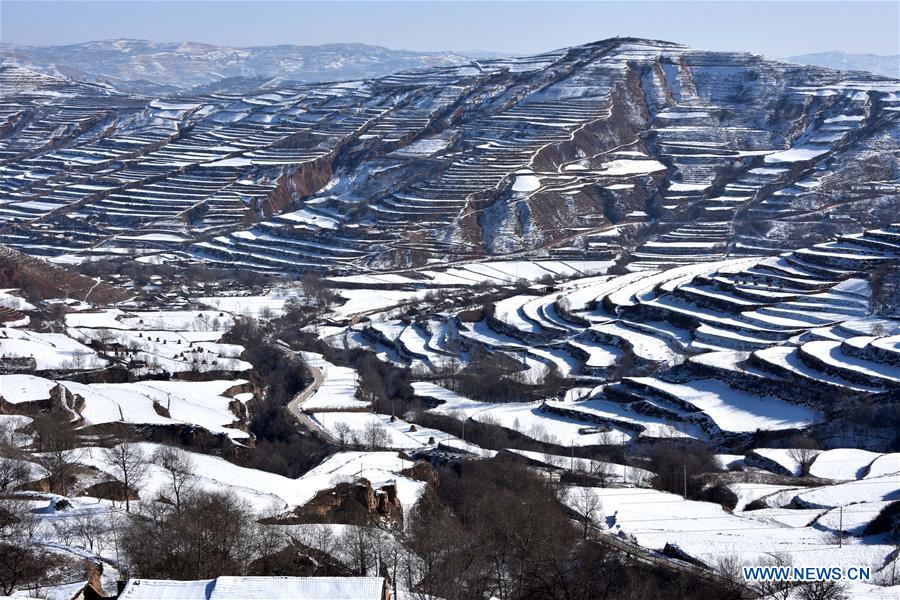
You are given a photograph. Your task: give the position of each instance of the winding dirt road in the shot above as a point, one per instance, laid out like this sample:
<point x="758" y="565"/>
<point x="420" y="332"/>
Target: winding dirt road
<point x="298" y="400"/>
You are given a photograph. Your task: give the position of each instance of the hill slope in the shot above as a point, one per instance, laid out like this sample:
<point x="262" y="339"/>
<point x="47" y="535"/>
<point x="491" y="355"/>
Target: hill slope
<point x="147" y="67"/>
<point x="672" y="154"/>
<point x="887" y="65"/>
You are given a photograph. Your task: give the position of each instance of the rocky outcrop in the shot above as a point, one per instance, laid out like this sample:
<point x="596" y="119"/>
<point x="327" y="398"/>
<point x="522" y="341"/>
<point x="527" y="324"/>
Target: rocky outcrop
<point x="353" y="503"/>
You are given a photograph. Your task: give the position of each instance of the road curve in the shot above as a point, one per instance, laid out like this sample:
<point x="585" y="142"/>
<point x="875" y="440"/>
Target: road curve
<point x="294" y="405"/>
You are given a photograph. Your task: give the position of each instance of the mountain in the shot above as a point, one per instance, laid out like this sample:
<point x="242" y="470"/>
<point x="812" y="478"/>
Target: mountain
<point x="887" y="65"/>
<point x="664" y="281"/>
<point x="639" y="151"/>
<point x="151" y="67"/>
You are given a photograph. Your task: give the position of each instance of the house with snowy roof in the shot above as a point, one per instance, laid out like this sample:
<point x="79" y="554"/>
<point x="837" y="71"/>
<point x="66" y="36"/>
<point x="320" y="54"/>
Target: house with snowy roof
<point x="259" y="588"/>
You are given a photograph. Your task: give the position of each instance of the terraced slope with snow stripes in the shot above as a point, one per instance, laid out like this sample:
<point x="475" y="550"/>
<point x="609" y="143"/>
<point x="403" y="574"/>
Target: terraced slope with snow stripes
<point x="569" y="154"/>
<point x="716" y="350"/>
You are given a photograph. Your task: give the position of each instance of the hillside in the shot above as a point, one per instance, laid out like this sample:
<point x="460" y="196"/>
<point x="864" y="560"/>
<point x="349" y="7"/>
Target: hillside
<point x="887" y="65"/>
<point x="151" y="68"/>
<point x="674" y="154"/>
<point x="623" y="316"/>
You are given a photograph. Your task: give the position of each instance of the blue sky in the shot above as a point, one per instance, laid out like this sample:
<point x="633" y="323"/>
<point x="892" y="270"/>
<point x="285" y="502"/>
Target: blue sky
<point x="778" y="28"/>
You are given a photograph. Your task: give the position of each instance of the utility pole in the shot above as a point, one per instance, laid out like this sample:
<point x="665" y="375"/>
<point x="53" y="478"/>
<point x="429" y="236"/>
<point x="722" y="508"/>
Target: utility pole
<point x="684" y="467"/>
<point x="624" y="460"/>
<point x="572" y="447"/>
<point x="841" y="528"/>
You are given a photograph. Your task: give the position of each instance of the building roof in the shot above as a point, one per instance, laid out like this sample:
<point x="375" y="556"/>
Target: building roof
<point x="167" y="589"/>
<point x="253" y="588"/>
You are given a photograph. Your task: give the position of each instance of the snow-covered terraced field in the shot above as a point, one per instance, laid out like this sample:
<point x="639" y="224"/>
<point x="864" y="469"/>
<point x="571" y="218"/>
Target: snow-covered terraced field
<point x="707" y="533"/>
<point x="263" y="179"/>
<point x="633" y="246"/>
<point x="738" y="346"/>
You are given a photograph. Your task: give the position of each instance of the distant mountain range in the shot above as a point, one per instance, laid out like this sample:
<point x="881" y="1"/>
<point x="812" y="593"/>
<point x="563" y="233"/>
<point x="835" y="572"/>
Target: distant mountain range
<point x="155" y="68"/>
<point x="150" y="67"/>
<point x="888" y="65"/>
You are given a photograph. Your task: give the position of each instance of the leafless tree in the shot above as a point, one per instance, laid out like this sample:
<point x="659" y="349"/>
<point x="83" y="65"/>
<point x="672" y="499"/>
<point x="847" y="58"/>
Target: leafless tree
<point x="129" y="466"/>
<point x="21" y="563"/>
<point x="776" y="589"/>
<point x="83" y="529"/>
<point x="179" y="468"/>
<point x="375" y="436"/>
<point x="14" y="471"/>
<point x="821" y="590"/>
<point x="214" y="534"/>
<point x="728" y="568"/>
<point x="803" y="451"/>
<point x="57" y="443"/>
<point x="342" y="433"/>
<point x="587" y="504"/>
<point x="602" y="471"/>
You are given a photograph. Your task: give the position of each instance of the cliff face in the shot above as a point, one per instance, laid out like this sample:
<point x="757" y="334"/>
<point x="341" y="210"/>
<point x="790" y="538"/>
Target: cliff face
<point x="356" y="503"/>
<point x="301" y="182"/>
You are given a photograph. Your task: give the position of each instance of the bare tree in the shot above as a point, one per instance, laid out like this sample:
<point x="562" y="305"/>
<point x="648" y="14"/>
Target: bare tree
<point x="777" y="589"/>
<point x="20" y="562"/>
<point x="803" y="451"/>
<point x="14" y="471"/>
<point x="375" y="436"/>
<point x="179" y="468"/>
<point x="728" y="568"/>
<point x="82" y="528"/>
<point x="316" y="290"/>
<point x="214" y="534"/>
<point x="602" y="471"/>
<point x="57" y="442"/>
<point x="129" y="465"/>
<point x="821" y="590"/>
<point x="587" y="504"/>
<point x="342" y="432"/>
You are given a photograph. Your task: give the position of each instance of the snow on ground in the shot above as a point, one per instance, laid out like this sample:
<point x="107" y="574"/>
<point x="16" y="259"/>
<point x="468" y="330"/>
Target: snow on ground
<point x="272" y="305"/>
<point x="626" y="166"/>
<point x="498" y="271"/>
<point x="616" y="412"/>
<point x="526" y="183"/>
<point x="843" y="464"/>
<point x="49" y="350"/>
<point x="265" y="491"/>
<point x="527" y="418"/>
<point x="612" y="472"/>
<point x="201" y="403"/>
<point x="10" y="299"/>
<point x="400" y="434"/>
<point x="369" y="300"/>
<point x="707" y="532"/>
<point x="171" y="341"/>
<point x="531" y="421"/>
<point x="338" y="389"/>
<point x="852" y="519"/>
<point x="782" y="457"/>
<point x="735" y="410"/>
<point x="749" y="492"/>
<point x="886" y="464"/>
<point x="795" y="155"/>
<point x="875" y="489"/>
<point x="10" y="426"/>
<point x="451" y="402"/>
<point x="25" y="388"/>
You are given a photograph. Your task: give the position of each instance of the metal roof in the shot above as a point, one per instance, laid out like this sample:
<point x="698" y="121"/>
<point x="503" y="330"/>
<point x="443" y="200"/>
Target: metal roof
<point x="256" y="588"/>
